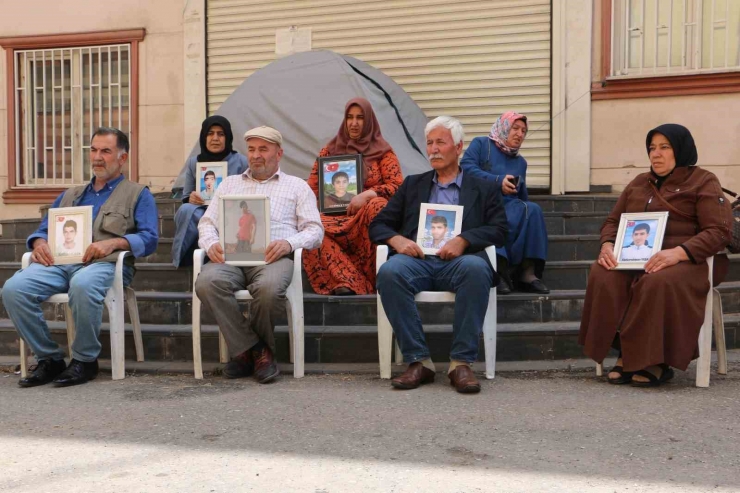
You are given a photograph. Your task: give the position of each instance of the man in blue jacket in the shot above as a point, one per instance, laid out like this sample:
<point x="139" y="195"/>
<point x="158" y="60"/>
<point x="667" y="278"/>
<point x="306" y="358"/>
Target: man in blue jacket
<point x="461" y="265"/>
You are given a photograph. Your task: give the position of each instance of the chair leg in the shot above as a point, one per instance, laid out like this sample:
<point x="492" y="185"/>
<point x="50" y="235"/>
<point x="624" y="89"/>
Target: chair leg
<point x="385" y="341"/>
<point x="489" y="336"/>
<point x="704" y="363"/>
<point x="71" y="330"/>
<point x="223" y="349"/>
<point x="289" y="315"/>
<point x="133" y="312"/>
<point x="296" y="330"/>
<point x="599" y="369"/>
<point x="114" y="302"/>
<point x="24" y="358"/>
<point x="399" y="354"/>
<point x="718" y="322"/>
<point x="197" y="362"/>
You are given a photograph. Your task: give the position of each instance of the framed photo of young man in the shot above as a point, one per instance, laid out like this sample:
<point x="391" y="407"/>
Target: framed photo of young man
<point x="244" y="229"/>
<point x="438" y="224"/>
<point x="340" y="180"/>
<point x="70" y="233"/>
<point x="210" y="176"/>
<point x="639" y="237"/>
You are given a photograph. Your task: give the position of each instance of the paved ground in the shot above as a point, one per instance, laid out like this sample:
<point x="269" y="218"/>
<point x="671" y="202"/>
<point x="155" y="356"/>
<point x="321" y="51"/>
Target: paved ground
<point x="543" y="431"/>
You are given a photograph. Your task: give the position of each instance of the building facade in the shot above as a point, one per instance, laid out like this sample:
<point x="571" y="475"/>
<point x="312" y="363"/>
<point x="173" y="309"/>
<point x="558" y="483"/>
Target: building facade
<point x="592" y="75"/>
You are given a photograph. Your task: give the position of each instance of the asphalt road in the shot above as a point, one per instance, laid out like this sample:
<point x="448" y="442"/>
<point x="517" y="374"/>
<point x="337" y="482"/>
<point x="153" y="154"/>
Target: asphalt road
<point x="540" y="431"/>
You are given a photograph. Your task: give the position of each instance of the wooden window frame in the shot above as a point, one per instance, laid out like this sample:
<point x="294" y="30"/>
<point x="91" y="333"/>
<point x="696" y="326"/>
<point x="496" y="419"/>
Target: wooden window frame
<point x="16" y="195"/>
<point x="650" y="87"/>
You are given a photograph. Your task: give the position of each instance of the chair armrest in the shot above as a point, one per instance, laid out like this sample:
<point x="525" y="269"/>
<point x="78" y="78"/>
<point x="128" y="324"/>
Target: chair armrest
<point x="26" y="260"/>
<point x="118" y="279"/>
<point x="297" y="265"/>
<point x="491" y="252"/>
<point x="381" y="255"/>
<point x="198" y="259"/>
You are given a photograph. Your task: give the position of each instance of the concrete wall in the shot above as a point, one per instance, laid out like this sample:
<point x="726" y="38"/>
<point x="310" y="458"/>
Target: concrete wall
<point x="620" y="127"/>
<point x="161" y="75"/>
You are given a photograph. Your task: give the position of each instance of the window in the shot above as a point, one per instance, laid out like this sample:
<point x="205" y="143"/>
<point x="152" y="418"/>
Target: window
<point x="60" y="89"/>
<point x="61" y="96"/>
<point x="673" y="37"/>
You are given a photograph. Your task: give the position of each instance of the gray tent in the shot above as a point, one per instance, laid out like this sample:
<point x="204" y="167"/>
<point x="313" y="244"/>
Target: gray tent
<point x="303" y="96"/>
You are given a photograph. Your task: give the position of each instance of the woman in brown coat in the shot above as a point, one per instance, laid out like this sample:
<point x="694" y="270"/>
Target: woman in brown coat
<point x="653" y="317"/>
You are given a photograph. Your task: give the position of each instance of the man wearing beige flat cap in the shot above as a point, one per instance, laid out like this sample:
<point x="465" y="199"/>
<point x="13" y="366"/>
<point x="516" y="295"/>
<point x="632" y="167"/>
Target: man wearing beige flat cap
<point x="294" y="223"/>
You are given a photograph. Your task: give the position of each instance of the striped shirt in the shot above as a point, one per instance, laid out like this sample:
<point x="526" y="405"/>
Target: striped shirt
<point x="293" y="213"/>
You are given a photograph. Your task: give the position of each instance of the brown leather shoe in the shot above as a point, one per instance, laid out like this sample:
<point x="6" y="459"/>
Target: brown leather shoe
<point x="416" y="374"/>
<point x="464" y="380"/>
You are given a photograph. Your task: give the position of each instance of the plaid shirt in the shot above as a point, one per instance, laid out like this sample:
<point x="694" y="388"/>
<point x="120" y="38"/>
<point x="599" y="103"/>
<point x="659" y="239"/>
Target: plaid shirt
<point x="293" y="213"/>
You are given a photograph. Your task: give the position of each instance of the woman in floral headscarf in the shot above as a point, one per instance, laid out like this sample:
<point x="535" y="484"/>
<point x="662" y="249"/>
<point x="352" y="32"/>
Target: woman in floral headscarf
<point x="345" y="262"/>
<point x="496" y="158"/>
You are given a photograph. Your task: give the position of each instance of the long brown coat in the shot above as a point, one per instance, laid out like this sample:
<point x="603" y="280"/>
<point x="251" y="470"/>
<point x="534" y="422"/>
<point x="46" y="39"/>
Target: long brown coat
<point x="658" y="316"/>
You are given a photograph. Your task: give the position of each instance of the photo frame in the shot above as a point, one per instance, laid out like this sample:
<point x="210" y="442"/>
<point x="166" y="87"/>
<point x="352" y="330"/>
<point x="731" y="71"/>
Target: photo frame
<point x="438" y="224"/>
<point x="209" y="177"/>
<point x="70" y="233"/>
<point x="244" y="228"/>
<point x="639" y="237"/>
<point x="336" y="172"/>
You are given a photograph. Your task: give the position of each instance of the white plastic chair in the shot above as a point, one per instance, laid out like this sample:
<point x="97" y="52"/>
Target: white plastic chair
<point x="385" y="331"/>
<point x="712" y="317"/>
<point x="114" y="302"/>
<point x="294" y="308"/>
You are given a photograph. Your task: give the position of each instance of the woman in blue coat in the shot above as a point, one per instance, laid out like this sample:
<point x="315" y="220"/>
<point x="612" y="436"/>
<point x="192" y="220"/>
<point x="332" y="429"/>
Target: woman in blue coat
<point x="216" y="139"/>
<point x="497" y="158"/>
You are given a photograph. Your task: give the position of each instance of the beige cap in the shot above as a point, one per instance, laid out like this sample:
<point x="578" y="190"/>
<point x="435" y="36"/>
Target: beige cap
<point x="264" y="132"/>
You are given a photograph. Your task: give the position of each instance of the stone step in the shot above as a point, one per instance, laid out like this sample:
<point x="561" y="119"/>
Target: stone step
<point x="163" y="308"/>
<point x="558" y="275"/>
<point x="358" y="344"/>
<point x="575" y="203"/>
<point x="561" y="248"/>
<point x="574" y="223"/>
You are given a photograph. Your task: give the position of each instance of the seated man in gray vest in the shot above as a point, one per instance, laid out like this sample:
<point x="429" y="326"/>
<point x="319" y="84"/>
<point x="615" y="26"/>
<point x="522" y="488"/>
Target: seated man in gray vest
<point x="124" y="218"/>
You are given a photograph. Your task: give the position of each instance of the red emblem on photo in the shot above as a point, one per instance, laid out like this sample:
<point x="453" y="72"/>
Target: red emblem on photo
<point x="630" y="224"/>
<point x="60" y="219"/>
<point x="431" y="212"/>
<point x="331" y="167"/>
<point x="204" y="168"/>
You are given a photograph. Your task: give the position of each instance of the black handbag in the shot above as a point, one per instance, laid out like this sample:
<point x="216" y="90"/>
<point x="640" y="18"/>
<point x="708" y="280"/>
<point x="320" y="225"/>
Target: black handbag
<point x="734" y="246"/>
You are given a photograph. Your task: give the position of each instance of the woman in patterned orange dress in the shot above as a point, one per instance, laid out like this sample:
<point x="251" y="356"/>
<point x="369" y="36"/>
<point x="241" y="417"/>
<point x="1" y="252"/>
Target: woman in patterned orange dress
<point x="345" y="262"/>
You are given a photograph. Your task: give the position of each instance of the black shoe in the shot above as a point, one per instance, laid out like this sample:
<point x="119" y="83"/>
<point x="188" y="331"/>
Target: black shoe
<point x="76" y="373"/>
<point x="343" y="291"/>
<point x="535" y="286"/>
<point x="240" y="366"/>
<point x="265" y="366"/>
<point x="503" y="286"/>
<point x="45" y="372"/>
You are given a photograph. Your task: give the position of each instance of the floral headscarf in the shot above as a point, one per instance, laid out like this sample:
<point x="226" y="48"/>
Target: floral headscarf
<point x="501" y="128"/>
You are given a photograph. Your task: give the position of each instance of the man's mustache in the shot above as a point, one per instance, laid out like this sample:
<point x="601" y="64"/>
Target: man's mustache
<point x="436" y="156"/>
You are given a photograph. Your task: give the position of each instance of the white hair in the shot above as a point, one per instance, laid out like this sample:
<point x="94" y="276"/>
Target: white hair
<point x="451" y="124"/>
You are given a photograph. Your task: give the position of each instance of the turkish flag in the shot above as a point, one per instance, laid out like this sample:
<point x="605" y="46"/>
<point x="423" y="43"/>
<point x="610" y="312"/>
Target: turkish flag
<point x="431" y="212"/>
<point x="204" y="168"/>
<point x="630" y="224"/>
<point x="60" y="219"/>
<point x="331" y="167"/>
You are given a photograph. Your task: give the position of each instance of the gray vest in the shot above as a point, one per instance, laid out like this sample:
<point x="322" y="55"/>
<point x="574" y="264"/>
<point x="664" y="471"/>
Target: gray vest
<point x="116" y="216"/>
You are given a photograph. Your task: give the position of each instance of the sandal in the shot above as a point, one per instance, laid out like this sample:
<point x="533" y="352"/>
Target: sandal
<point x="624" y="376"/>
<point x="654" y="381"/>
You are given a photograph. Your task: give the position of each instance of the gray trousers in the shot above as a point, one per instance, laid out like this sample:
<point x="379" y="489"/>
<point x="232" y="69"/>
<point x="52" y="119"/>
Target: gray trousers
<point x="267" y="284"/>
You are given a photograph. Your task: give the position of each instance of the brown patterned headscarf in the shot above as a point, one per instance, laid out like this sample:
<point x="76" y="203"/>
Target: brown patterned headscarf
<point x="371" y="143"/>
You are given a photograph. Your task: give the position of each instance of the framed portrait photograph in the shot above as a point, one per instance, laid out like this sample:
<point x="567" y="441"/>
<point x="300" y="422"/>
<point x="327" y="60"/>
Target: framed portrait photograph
<point x="210" y="176"/>
<point x="438" y="224"/>
<point x="244" y="229"/>
<point x="70" y="233"/>
<point x="640" y="236"/>
<point x="340" y="180"/>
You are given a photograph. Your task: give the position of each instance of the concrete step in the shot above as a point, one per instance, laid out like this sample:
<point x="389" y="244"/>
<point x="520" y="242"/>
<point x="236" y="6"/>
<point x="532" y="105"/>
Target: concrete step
<point x="358" y="344"/>
<point x="157" y="276"/>
<point x="163" y="308"/>
<point x="574" y="223"/>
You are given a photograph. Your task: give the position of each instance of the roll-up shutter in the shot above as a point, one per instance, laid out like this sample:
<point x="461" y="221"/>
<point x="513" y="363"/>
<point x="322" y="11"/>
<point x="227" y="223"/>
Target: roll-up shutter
<point x="472" y="59"/>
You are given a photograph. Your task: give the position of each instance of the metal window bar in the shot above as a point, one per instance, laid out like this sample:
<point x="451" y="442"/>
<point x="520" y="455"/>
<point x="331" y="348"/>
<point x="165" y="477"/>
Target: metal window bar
<point x="692" y="23"/>
<point x="48" y="95"/>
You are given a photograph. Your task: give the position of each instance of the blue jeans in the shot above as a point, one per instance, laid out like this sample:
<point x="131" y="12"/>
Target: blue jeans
<point x="87" y="286"/>
<point x="468" y="276"/>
